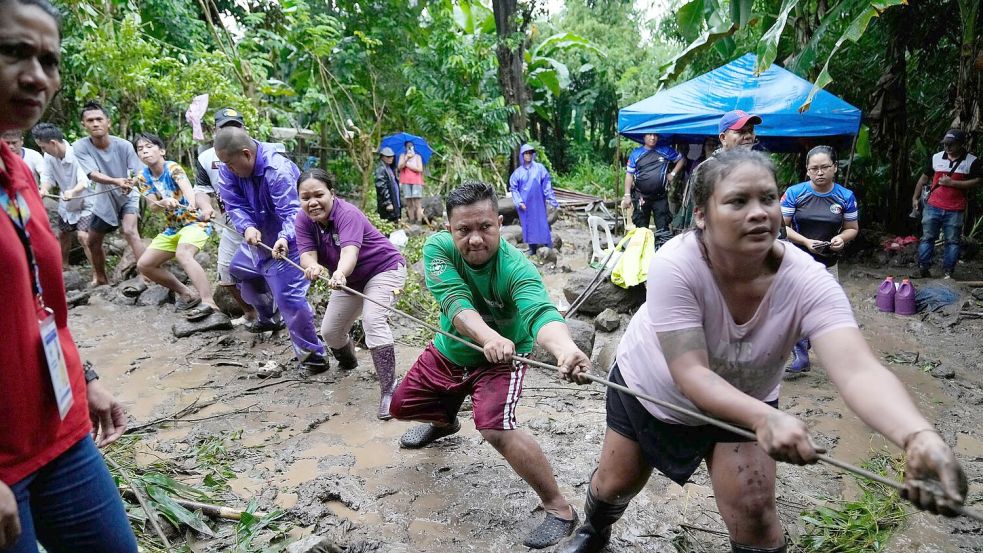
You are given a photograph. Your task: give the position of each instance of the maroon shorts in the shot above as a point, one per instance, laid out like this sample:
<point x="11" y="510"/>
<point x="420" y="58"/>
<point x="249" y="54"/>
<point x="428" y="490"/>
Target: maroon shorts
<point x="435" y="388"/>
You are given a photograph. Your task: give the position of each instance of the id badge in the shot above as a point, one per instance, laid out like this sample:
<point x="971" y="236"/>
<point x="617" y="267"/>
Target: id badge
<point x="56" y="362"/>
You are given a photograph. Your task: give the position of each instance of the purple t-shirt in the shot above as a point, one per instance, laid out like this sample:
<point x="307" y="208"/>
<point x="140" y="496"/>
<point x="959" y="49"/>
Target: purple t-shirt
<point x="347" y="226"/>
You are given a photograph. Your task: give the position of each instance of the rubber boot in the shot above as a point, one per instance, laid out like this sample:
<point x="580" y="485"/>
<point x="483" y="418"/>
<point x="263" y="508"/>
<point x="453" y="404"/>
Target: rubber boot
<point x="384" y="359"/>
<point x="345" y="356"/>
<point x="595" y="533"/>
<point x="800" y="360"/>
<point x="738" y="548"/>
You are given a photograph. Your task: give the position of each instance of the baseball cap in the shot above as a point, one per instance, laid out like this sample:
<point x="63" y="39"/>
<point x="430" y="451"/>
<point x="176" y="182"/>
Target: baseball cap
<point x="736" y="119"/>
<point x="387" y="151"/>
<point x="954" y="135"/>
<point x="227" y="116"/>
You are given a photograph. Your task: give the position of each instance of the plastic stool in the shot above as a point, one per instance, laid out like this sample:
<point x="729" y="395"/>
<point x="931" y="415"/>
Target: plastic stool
<point x="598" y="254"/>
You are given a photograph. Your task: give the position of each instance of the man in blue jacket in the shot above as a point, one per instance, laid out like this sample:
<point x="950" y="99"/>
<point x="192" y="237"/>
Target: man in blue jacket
<point x="259" y="188"/>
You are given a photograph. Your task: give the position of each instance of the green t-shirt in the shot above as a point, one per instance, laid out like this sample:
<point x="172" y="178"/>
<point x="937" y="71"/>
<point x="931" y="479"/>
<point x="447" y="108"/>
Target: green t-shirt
<point x="507" y="292"/>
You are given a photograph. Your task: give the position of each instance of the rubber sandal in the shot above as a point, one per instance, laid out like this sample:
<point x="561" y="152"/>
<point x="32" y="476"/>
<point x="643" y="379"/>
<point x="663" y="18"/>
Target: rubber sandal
<point x="181" y="305"/>
<point x="199" y="313"/>
<point x="551" y="531"/>
<point x="425" y="434"/>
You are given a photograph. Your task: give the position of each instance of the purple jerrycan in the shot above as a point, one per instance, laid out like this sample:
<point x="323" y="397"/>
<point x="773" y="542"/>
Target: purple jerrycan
<point x="885" y="295"/>
<point x="904" y="300"/>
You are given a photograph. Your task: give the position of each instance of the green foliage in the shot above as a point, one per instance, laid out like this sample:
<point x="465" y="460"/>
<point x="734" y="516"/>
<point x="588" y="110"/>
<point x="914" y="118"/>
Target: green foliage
<point x="589" y="177"/>
<point x="863" y="525"/>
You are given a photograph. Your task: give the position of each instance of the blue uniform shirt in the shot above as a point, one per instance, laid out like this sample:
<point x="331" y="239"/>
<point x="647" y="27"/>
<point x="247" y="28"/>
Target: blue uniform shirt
<point x="819" y="216"/>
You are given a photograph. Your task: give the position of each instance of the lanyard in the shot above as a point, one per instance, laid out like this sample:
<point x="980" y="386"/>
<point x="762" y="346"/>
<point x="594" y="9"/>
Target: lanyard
<point x="20" y="214"/>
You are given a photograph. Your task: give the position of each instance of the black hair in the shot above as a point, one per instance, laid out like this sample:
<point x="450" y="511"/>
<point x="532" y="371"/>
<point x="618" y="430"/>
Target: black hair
<point x="469" y="193"/>
<point x="828" y="150"/>
<point x="13" y="132"/>
<point x="148" y="137"/>
<point x="92" y="106"/>
<point x="45" y="6"/>
<point x="318" y="174"/>
<point x="46" y="132"/>
<point x="716" y="168"/>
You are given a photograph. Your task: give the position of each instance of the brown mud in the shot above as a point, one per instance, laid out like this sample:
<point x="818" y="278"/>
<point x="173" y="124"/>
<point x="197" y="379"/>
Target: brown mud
<point x="313" y="446"/>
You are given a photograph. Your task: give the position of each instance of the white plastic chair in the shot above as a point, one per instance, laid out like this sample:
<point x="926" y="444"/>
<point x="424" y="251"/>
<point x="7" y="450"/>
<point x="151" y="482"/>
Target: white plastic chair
<point x="598" y="254"/>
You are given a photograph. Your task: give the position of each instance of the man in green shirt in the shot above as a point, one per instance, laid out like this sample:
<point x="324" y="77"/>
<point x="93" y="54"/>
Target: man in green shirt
<point x="489" y="294"/>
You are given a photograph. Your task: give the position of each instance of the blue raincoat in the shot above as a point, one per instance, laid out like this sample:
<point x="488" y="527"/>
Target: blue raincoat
<point x="530" y="184"/>
<point x="267" y="200"/>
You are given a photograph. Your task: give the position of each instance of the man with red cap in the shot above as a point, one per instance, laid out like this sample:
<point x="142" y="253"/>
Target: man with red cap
<point x="736" y="129"/>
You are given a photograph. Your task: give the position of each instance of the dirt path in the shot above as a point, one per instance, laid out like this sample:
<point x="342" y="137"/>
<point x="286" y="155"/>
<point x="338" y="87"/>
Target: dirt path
<point x="313" y="445"/>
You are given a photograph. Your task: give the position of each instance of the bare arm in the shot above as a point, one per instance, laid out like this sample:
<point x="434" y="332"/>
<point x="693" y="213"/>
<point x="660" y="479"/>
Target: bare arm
<point x="629" y="181"/>
<point x="555" y="337"/>
<point x="680" y="163"/>
<point x="856" y="372"/>
<point x="782" y="436"/>
<point x="793" y="235"/>
<point x="498" y="349"/>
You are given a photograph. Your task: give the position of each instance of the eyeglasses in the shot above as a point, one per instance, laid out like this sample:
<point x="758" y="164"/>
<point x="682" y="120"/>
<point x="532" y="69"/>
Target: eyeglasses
<point x="821" y="169"/>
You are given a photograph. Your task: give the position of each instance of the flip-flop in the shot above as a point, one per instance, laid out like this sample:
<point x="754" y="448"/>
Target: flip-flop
<point x="424" y="434"/>
<point x="181" y="305"/>
<point x="199" y="313"/>
<point x="551" y="531"/>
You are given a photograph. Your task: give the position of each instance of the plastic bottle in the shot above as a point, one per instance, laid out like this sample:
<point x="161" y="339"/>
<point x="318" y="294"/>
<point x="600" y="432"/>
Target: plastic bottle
<point x="885" y="295"/>
<point x="904" y="300"/>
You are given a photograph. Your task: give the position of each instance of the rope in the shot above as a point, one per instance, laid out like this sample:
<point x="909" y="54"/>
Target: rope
<point x="57" y="197"/>
<point x="640" y="395"/>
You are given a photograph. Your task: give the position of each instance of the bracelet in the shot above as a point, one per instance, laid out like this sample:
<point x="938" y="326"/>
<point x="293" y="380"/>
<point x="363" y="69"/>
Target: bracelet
<point x="911" y="435"/>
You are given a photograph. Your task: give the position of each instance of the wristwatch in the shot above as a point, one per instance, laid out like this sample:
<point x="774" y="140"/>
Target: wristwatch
<point x="90" y="373"/>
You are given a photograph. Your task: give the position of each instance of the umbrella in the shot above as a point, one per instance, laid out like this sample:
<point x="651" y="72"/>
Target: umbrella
<point x="396" y="142"/>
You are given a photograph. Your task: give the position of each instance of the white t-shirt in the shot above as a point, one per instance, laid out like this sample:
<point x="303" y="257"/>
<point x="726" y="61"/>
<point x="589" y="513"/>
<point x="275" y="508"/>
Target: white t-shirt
<point x="803" y="300"/>
<point x="34" y="160"/>
<point x="62" y="175"/>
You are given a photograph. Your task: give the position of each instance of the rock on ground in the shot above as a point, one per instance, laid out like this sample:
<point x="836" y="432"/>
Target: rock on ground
<point x="215" y="321"/>
<point x="155" y="296"/>
<point x="583" y="335"/>
<point x="126" y="268"/>
<point x="606" y="295"/>
<point x="512" y="233"/>
<point x="607" y="321"/>
<point x="433" y="207"/>
<point x="314" y="544"/>
<point x="73" y="280"/>
<point x="77" y="298"/>
<point x="226" y="302"/>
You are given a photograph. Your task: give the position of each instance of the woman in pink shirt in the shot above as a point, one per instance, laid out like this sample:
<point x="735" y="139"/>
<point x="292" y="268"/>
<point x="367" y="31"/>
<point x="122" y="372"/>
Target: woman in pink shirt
<point x="411" y="182"/>
<point x="725" y="304"/>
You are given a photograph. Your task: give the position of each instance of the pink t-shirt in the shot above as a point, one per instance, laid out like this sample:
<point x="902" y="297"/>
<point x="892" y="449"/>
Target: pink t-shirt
<point x="803" y="300"/>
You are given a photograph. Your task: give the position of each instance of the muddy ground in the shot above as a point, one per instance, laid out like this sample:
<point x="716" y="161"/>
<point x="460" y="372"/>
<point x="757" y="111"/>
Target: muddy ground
<point x="313" y="446"/>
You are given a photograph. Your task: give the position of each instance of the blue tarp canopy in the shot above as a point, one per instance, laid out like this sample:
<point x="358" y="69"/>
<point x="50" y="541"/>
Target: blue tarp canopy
<point x="689" y="112"/>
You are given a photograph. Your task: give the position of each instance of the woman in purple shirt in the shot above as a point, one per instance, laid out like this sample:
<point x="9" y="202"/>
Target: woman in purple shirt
<point x="335" y="235"/>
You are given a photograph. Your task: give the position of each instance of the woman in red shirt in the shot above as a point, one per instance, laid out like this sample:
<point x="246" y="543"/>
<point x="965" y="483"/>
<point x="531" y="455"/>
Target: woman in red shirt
<point x="54" y="485"/>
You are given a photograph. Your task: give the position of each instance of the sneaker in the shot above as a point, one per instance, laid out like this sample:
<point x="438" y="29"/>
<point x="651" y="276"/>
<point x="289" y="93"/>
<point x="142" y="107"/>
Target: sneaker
<point x="258" y="327"/>
<point x="947" y="276"/>
<point x="924" y="272"/>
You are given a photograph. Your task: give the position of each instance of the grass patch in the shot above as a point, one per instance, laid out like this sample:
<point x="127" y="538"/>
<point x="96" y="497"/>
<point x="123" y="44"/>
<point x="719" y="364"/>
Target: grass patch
<point x="201" y="476"/>
<point x="863" y="525"/>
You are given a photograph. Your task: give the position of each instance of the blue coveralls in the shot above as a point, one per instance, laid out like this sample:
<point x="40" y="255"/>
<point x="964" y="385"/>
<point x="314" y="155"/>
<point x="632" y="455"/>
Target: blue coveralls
<point x="267" y="201"/>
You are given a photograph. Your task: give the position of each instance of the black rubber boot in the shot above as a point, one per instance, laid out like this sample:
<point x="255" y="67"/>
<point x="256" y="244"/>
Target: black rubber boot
<point x="345" y="356"/>
<point x="738" y="548"/>
<point x="595" y="532"/>
<point x="384" y="359"/>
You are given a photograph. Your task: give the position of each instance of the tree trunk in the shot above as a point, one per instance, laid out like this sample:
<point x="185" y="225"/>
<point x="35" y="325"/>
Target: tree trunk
<point x="969" y="85"/>
<point x="509" y="51"/>
<point x="889" y="118"/>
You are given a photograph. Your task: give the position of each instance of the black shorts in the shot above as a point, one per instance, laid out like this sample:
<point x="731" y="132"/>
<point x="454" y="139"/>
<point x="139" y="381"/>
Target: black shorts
<point x="100" y="226"/>
<point x="674" y="449"/>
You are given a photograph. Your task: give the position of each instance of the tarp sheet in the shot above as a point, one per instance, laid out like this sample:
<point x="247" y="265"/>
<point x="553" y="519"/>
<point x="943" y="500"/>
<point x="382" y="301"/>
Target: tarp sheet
<point x="689" y="112"/>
